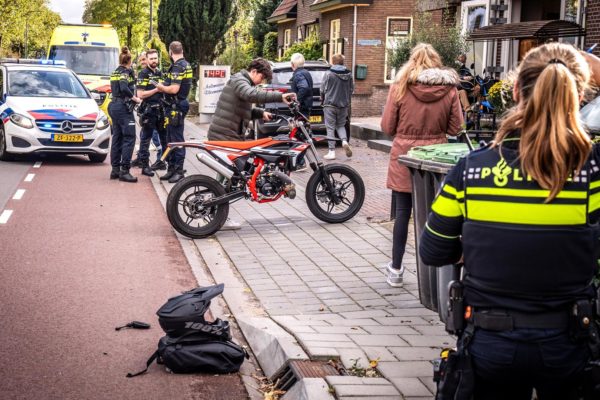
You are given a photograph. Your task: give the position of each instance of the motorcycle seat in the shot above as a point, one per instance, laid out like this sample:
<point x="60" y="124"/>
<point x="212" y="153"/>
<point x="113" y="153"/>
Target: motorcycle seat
<point x="241" y="145"/>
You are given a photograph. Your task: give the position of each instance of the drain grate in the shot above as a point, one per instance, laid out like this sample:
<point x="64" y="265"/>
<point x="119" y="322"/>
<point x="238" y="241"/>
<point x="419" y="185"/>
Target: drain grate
<point x="299" y="369"/>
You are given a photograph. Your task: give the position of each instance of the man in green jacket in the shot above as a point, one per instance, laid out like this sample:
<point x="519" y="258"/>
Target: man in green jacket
<point x="235" y="106"/>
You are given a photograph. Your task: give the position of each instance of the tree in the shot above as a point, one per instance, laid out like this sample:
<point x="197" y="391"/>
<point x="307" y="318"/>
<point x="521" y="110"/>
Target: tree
<point x="445" y="38"/>
<point x="19" y="16"/>
<point x="198" y="24"/>
<point x="260" y="27"/>
<point x="128" y="17"/>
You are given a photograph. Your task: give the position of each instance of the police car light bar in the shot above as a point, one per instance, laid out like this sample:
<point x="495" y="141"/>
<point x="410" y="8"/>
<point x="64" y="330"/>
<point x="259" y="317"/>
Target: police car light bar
<point x="33" y="61"/>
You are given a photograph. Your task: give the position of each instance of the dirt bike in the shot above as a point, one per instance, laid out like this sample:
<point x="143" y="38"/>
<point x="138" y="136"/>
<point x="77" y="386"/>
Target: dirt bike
<point x="259" y="171"/>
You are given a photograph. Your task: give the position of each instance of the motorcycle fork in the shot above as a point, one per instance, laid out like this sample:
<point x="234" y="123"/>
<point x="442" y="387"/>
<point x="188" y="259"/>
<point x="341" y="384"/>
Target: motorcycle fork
<point x="318" y="166"/>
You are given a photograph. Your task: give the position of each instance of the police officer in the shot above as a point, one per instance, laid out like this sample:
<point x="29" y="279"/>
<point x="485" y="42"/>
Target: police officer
<point x="120" y="109"/>
<point x="151" y="118"/>
<point x="524" y="212"/>
<point x="176" y="87"/>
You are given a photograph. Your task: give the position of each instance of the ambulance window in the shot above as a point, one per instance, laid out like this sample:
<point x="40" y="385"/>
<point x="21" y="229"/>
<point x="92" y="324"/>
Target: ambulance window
<point x="1" y="83"/>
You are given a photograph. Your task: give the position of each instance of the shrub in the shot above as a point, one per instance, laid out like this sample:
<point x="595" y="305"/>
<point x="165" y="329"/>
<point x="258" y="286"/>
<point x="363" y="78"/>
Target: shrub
<point x="446" y="38"/>
<point x="269" y="50"/>
<point x="500" y="96"/>
<point x="311" y="49"/>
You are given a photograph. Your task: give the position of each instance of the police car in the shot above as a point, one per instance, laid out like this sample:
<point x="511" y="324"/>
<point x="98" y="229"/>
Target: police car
<point x="44" y="108"/>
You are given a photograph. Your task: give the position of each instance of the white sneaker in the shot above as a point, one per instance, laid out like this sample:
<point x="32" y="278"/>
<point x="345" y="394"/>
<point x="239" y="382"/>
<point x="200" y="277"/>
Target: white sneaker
<point x="330" y="155"/>
<point x="347" y="148"/>
<point x="394" y="276"/>
<point x="231" y="225"/>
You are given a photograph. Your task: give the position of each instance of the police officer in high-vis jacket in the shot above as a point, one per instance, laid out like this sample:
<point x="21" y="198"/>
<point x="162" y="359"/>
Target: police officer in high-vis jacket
<point x="151" y="116"/>
<point x="120" y="109"/>
<point x="524" y="212"/>
<point x="176" y="88"/>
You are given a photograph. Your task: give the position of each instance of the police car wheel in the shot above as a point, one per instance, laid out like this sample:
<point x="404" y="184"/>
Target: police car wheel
<point x="4" y="155"/>
<point x="97" y="158"/>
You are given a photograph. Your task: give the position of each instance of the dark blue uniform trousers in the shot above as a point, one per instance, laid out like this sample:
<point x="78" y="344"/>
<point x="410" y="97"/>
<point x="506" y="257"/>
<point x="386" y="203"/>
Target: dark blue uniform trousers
<point x="155" y="122"/>
<point x="508" y="365"/>
<point x="123" y="134"/>
<point x="175" y="134"/>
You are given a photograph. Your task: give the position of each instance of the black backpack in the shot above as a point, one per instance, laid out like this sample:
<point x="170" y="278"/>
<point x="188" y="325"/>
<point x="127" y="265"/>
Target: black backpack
<point x="192" y="344"/>
<point x="194" y="353"/>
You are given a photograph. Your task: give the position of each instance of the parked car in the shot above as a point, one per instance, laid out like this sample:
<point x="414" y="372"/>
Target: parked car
<point x="44" y="107"/>
<point x="281" y="82"/>
<point x="590" y="116"/>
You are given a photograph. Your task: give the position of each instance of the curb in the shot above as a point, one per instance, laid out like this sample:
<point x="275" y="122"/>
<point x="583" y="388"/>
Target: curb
<point x="381" y="145"/>
<point x="271" y="345"/>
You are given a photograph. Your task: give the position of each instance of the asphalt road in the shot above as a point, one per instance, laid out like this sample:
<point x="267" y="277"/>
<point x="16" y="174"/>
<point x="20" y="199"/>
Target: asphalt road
<point x="80" y="255"/>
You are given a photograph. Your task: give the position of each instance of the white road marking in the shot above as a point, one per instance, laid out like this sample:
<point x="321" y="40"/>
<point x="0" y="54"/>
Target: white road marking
<point x="5" y="216"/>
<point x="37" y="164"/>
<point x="19" y="194"/>
<point x="29" y="177"/>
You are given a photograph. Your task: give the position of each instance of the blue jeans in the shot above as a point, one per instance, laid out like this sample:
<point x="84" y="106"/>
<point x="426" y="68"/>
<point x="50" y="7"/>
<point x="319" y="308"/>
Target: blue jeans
<point x="123" y="134"/>
<point x="508" y="365"/>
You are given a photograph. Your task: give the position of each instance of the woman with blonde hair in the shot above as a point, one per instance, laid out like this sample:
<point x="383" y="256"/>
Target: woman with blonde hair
<point x="422" y="108"/>
<point x="523" y="212"/>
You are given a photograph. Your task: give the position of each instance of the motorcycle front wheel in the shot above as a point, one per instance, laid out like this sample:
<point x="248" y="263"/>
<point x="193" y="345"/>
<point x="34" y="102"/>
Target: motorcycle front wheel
<point x="348" y="188"/>
<point x="186" y="211"/>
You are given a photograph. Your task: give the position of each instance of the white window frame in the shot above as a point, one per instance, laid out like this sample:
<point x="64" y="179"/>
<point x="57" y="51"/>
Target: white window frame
<point x="299" y="34"/>
<point x="335" y="45"/>
<point x="287" y="39"/>
<point x="390" y="41"/>
<point x="463" y="22"/>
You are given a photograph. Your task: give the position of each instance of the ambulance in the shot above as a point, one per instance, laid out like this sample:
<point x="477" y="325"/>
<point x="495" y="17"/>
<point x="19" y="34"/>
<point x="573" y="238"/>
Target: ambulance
<point x="92" y="52"/>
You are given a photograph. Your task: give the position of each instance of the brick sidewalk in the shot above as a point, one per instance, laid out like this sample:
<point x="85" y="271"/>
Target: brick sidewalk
<point x="325" y="283"/>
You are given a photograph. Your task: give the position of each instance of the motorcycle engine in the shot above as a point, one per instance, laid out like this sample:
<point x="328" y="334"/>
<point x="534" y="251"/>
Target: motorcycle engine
<point x="267" y="184"/>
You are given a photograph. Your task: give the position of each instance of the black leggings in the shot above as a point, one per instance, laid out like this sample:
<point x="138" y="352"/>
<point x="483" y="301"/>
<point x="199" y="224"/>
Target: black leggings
<point x="403" y="202"/>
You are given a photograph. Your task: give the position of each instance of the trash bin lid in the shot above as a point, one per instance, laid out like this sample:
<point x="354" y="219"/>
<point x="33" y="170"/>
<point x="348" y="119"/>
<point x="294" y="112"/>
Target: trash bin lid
<point x="448" y="153"/>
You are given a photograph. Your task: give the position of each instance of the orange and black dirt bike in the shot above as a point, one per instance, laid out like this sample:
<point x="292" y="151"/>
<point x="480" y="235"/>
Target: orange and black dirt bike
<point x="259" y="170"/>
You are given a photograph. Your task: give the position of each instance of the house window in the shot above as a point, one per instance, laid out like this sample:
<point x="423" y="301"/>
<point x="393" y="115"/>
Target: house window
<point x="475" y="16"/>
<point x="397" y="29"/>
<point x="335" y="41"/>
<point x="312" y="30"/>
<point x="300" y="36"/>
<point x="287" y="39"/>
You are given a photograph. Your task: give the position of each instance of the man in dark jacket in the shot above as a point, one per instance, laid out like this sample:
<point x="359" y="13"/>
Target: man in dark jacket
<point x="336" y="90"/>
<point x="234" y="108"/>
<point x="302" y="84"/>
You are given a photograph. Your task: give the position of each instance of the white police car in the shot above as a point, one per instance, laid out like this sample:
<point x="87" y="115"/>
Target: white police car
<point x="44" y="107"/>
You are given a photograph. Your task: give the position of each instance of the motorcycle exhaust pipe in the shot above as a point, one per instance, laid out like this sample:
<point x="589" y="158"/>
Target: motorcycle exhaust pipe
<point x="289" y="186"/>
<point x="214" y="165"/>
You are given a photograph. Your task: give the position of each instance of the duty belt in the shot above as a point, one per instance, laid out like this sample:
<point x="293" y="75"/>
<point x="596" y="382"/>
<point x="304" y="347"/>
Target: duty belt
<point x="505" y="320"/>
<point x="121" y="99"/>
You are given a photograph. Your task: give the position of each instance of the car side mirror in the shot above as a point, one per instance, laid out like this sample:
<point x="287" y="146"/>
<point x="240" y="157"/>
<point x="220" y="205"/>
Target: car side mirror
<point x="96" y="96"/>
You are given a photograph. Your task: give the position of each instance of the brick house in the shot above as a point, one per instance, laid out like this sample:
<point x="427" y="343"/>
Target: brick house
<point x="506" y="29"/>
<point x="362" y="30"/>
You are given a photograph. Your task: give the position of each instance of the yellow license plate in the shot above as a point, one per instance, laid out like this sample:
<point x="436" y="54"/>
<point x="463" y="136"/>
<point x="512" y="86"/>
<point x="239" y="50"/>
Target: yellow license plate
<point x="67" y="138"/>
<point x="316" y="119"/>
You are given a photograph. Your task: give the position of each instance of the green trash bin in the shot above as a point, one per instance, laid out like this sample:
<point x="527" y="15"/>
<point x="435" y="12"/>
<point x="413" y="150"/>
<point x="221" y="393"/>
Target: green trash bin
<point x="429" y="165"/>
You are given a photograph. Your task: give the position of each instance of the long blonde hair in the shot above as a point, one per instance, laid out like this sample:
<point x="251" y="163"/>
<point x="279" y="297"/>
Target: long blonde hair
<point x="550" y="82"/>
<point x="423" y="56"/>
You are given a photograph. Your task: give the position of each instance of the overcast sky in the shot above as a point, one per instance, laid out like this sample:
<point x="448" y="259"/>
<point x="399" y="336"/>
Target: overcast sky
<point x="69" y="10"/>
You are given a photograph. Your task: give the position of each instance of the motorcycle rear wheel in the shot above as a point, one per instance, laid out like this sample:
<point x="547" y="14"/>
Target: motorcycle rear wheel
<point x="185" y="211"/>
<point x="348" y="185"/>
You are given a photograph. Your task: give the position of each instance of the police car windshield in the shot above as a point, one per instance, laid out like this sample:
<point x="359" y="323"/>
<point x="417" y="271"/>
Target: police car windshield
<point x="87" y="60"/>
<point x="44" y="83"/>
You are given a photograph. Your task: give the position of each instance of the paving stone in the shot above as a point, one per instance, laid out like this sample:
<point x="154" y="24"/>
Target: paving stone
<point x="339" y="329"/>
<point x="374" y="303"/>
<point x="429" y="383"/>
<point x="411" y="387"/>
<point x="415" y="353"/>
<point x="354" y="380"/>
<point x="343" y="301"/>
<point x="345" y="308"/>
<point x="323" y="337"/>
<point x="378" y="353"/>
<point x="357" y="322"/>
<point x="373" y="391"/>
<point x="434" y="341"/>
<point x="338" y="294"/>
<point x="375" y="340"/>
<point x="430" y="329"/>
<point x="365" y="314"/>
<point x="405" y="369"/>
<point x="391" y="330"/>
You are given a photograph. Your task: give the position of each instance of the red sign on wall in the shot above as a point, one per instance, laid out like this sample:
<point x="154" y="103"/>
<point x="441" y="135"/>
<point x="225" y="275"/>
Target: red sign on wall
<point x="215" y="73"/>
